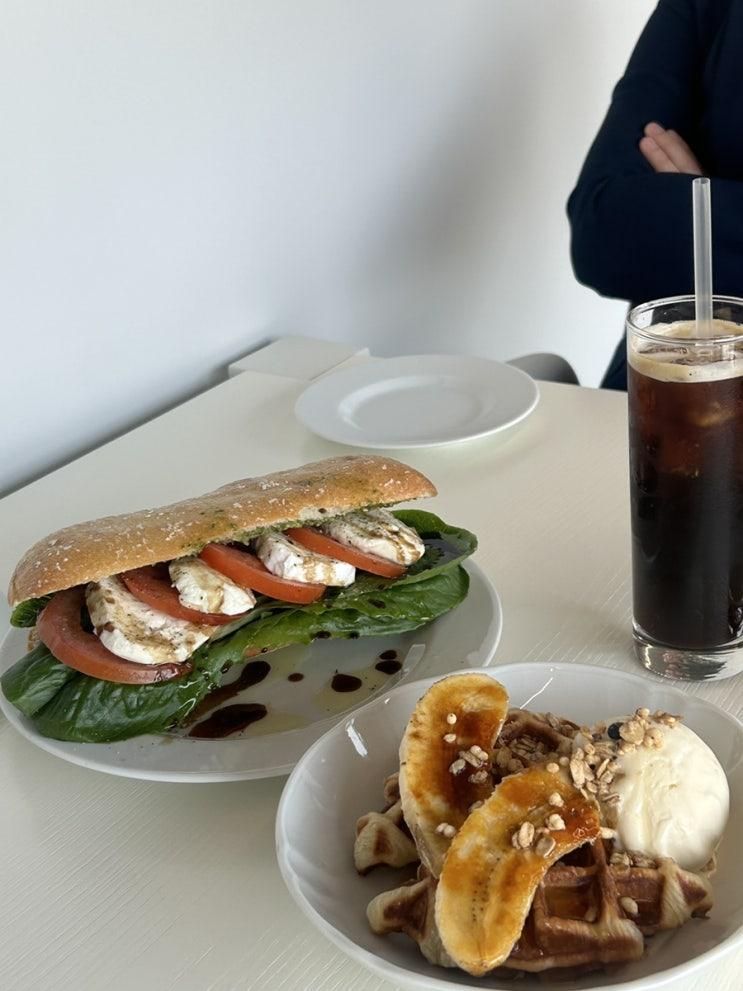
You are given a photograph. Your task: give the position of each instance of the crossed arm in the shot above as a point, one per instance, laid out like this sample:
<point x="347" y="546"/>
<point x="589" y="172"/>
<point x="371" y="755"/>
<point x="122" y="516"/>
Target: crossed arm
<point x="630" y="213"/>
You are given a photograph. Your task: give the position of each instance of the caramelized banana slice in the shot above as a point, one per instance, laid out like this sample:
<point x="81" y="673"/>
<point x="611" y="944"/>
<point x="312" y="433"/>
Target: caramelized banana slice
<point x="445" y="759"/>
<point x="497" y="860"/>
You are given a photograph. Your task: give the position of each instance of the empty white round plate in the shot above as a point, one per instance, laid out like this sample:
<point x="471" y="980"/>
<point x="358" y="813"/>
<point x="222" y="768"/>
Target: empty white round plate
<point x="340" y="778"/>
<point x="299" y="711"/>
<point x="417" y="401"/>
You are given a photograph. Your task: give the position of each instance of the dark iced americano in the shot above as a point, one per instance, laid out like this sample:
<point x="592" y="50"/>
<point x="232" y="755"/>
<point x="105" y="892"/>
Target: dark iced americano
<point x="686" y="484"/>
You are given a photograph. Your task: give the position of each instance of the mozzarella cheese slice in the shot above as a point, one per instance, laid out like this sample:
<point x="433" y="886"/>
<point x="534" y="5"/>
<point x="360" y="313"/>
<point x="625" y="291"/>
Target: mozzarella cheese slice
<point x="287" y="559"/>
<point x="206" y="590"/>
<point x="132" y="630"/>
<point x="379" y="533"/>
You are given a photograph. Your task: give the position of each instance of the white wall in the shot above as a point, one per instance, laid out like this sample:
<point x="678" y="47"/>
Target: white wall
<point x="181" y="179"/>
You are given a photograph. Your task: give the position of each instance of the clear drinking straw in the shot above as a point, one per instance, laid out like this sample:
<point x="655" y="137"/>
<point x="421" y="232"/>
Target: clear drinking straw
<point x="702" y="255"/>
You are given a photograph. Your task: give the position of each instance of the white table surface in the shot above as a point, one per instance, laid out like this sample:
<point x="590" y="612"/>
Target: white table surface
<point x="109" y="883"/>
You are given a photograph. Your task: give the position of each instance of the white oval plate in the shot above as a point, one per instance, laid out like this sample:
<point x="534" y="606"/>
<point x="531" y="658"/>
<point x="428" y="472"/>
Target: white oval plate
<point x="417" y="401"/>
<point x="299" y="712"/>
<point x="340" y="778"/>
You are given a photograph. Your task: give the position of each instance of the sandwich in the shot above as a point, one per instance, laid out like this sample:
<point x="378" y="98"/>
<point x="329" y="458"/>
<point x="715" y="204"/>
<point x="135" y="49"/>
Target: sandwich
<point x="139" y="617"/>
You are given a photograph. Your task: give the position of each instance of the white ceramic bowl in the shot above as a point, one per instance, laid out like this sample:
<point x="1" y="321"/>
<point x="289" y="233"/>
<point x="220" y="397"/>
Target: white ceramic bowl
<point x="341" y="776"/>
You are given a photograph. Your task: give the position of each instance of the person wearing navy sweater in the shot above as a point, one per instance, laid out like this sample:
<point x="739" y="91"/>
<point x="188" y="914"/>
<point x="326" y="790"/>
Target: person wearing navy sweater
<point x="675" y="114"/>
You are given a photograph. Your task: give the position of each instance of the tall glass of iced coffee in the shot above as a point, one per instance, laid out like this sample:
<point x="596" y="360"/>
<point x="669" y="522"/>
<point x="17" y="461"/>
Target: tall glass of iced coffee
<point x="686" y="486"/>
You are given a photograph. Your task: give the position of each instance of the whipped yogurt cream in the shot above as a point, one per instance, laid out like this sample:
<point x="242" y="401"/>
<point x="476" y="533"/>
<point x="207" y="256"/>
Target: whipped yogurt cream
<point x="673" y="800"/>
<point x="662" y="790"/>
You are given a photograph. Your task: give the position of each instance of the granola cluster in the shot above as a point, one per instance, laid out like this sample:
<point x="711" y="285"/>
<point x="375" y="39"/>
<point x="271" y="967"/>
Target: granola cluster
<point x="595" y="764"/>
<point x="476" y="758"/>
<point x="544" y="738"/>
<point x="525" y="836"/>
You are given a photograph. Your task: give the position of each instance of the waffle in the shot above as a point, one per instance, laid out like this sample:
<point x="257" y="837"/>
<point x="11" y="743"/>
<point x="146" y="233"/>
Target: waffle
<point x="586" y="913"/>
<point x="382" y="838"/>
<point x="410" y="909"/>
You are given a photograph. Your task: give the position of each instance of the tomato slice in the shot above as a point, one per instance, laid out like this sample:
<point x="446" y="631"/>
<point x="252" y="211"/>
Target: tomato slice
<point x="60" y="628"/>
<point x="152" y="586"/>
<point x="249" y="571"/>
<point x="313" y="540"/>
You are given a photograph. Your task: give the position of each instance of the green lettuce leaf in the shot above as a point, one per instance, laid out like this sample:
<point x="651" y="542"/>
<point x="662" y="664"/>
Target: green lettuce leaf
<point x="67" y="705"/>
<point x="26" y="613"/>
<point x="445" y="544"/>
<point x="403" y="608"/>
<point x="87" y="710"/>
<point x="35" y="680"/>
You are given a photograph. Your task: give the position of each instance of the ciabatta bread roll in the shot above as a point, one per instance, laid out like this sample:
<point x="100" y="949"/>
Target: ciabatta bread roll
<point x="313" y="493"/>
